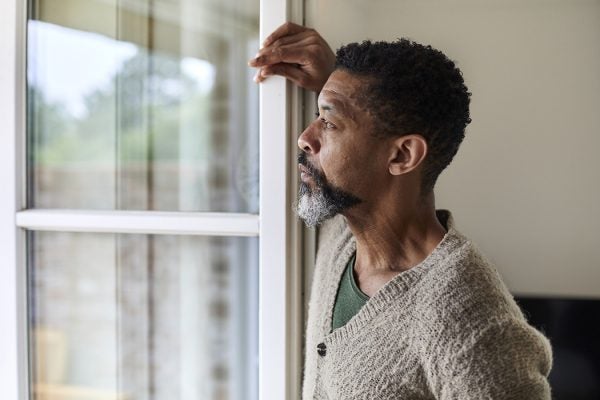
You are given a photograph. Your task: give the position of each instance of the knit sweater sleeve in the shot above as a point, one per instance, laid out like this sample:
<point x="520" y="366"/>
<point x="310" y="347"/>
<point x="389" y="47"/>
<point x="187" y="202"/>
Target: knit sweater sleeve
<point x="506" y="360"/>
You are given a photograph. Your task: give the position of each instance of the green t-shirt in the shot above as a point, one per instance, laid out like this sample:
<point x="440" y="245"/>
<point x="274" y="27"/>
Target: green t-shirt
<point x="349" y="299"/>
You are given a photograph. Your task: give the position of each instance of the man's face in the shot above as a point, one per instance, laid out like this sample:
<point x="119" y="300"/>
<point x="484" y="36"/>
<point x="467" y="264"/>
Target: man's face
<point x="341" y="161"/>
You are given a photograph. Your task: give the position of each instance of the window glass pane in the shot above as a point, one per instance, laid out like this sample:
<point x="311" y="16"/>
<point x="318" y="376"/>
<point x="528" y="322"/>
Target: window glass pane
<point x="142" y="317"/>
<point x="144" y="104"/>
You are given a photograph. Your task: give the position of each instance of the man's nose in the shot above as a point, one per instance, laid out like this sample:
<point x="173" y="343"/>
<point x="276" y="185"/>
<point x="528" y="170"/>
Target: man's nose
<point x="308" y="140"/>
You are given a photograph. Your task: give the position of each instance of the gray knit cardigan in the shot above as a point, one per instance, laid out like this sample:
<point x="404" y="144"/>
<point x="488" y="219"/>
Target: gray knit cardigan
<point x="445" y="329"/>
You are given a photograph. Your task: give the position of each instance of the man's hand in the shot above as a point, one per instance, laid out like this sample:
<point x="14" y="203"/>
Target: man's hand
<point x="300" y="54"/>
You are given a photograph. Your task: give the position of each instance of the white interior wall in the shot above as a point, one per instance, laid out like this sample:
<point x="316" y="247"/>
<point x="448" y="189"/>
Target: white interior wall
<point x="525" y="183"/>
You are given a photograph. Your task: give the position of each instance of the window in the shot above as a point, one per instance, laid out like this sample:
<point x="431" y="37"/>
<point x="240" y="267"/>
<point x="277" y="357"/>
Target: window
<point x="150" y="250"/>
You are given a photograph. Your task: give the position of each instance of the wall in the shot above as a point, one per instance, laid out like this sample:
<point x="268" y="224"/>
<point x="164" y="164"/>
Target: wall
<point x="525" y="183"/>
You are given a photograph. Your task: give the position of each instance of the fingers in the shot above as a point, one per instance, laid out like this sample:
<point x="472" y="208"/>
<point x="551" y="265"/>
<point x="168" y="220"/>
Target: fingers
<point x="289" y="28"/>
<point x="295" y="74"/>
<point x="301" y="38"/>
<point x="298" y="52"/>
<point x="288" y="71"/>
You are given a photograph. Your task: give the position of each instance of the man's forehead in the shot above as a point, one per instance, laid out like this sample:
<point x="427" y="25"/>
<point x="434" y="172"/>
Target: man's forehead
<point x="341" y="90"/>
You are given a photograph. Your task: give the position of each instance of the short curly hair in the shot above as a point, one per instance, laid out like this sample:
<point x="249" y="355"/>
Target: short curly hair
<point x="412" y="89"/>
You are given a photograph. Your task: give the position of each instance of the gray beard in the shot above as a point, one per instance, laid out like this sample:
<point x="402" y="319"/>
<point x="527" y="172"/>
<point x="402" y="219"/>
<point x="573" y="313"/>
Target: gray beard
<point x="314" y="208"/>
<point x="324" y="202"/>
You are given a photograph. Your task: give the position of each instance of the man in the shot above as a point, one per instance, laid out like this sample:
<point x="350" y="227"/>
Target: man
<point x="403" y="306"/>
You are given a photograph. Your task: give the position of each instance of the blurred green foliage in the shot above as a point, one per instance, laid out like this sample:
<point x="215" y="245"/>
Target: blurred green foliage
<point x="136" y="117"/>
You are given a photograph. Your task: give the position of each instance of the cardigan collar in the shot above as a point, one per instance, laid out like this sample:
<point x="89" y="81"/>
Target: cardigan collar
<point x="394" y="288"/>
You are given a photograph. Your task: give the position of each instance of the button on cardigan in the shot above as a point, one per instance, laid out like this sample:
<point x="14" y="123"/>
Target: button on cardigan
<point x="448" y="328"/>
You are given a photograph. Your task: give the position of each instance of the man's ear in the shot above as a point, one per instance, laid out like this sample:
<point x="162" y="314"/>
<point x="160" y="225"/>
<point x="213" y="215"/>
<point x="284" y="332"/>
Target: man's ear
<point x="407" y="153"/>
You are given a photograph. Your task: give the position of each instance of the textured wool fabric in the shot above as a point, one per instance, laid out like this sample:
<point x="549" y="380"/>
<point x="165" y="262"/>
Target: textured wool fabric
<point x="445" y="329"/>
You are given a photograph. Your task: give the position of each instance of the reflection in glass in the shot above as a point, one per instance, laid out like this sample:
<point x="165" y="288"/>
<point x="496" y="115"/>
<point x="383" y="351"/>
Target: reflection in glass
<point x="145" y="105"/>
<point x="142" y="317"/>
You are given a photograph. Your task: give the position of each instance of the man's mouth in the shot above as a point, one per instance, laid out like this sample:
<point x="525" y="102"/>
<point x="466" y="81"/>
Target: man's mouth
<point x="305" y="175"/>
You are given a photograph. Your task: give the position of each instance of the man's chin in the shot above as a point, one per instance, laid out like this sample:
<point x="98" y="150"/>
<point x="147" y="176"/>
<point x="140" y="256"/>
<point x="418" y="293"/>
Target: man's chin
<point x="314" y="209"/>
<point x="315" y="206"/>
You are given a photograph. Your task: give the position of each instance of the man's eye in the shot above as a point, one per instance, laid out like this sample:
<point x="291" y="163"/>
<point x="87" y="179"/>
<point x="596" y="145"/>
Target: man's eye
<point x="327" y="124"/>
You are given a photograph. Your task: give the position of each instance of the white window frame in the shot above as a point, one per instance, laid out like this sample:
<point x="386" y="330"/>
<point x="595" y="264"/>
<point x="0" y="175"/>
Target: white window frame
<point x="280" y="282"/>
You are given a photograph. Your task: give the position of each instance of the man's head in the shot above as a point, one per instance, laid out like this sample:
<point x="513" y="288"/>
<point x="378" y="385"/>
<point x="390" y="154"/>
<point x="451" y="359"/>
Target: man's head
<point x="414" y="89"/>
<point x="391" y="118"/>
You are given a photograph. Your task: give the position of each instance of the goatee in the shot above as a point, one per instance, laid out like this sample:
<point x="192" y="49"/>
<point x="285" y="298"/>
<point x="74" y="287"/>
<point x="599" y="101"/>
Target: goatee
<point x="323" y="201"/>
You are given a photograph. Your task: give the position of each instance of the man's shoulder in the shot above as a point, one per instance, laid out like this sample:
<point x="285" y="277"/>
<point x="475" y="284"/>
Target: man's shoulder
<point x="467" y="285"/>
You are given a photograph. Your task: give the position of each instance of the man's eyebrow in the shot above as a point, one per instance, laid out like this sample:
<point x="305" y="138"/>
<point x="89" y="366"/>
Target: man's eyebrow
<point x="331" y="106"/>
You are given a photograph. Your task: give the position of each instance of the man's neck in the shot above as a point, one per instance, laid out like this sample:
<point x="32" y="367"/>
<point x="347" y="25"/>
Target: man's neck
<point x="394" y="240"/>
